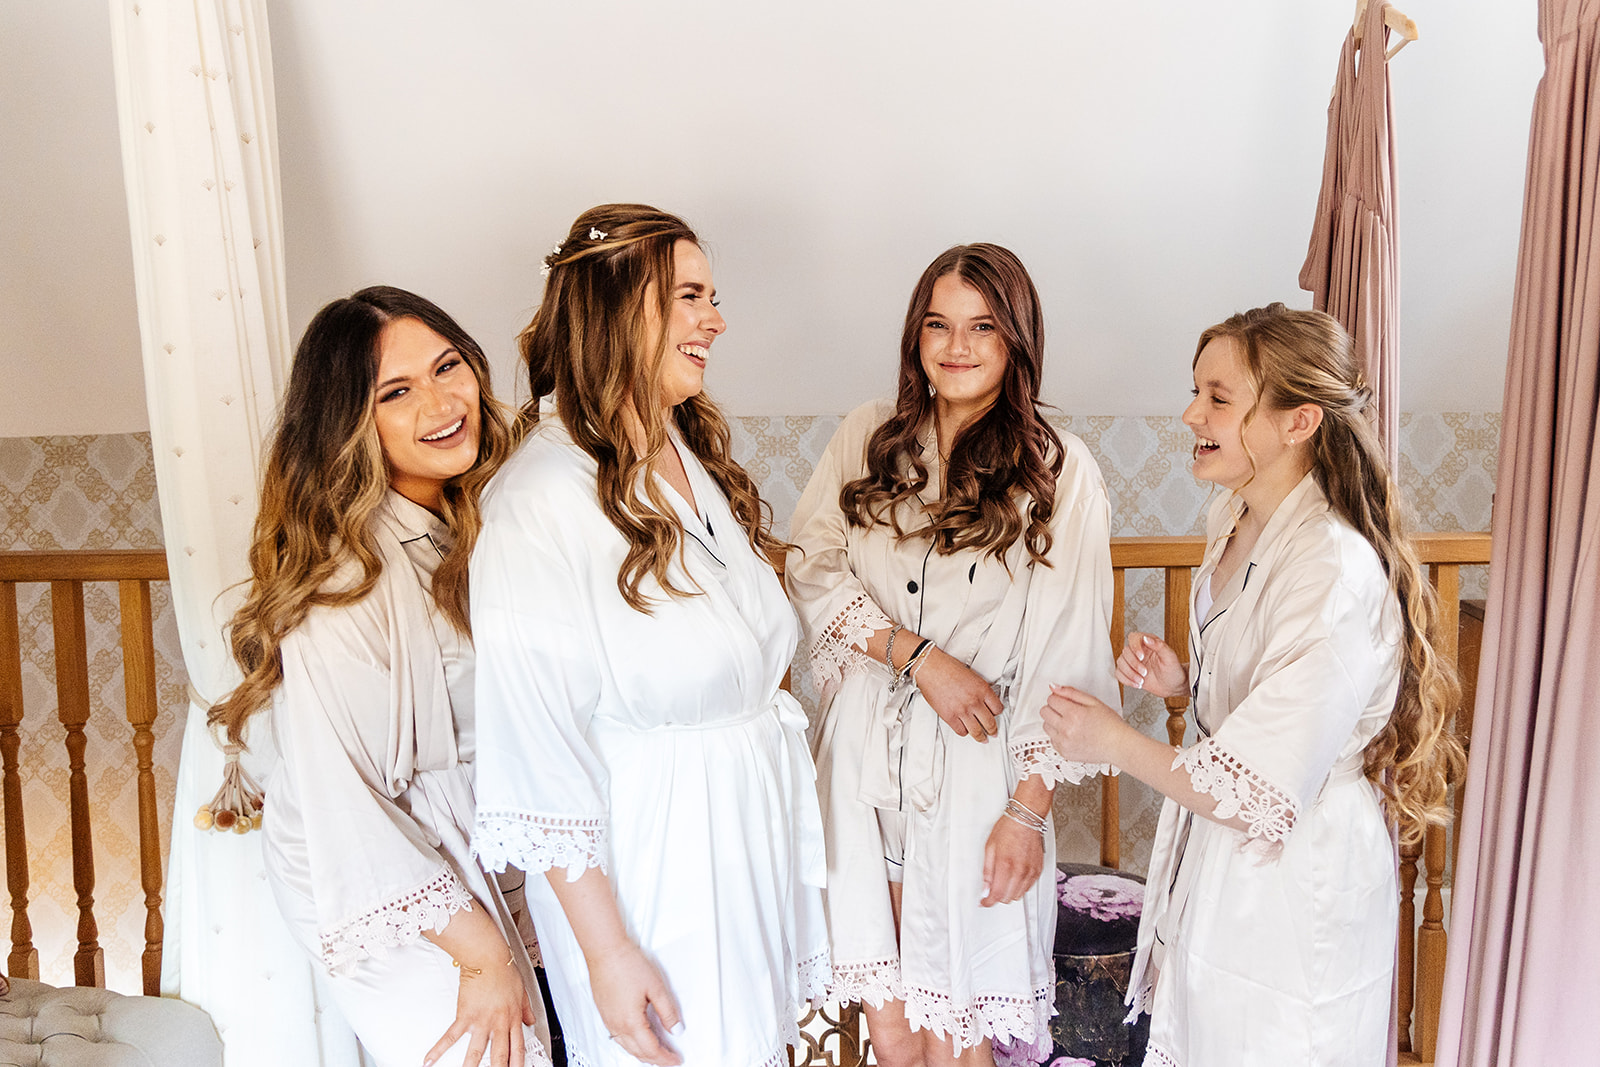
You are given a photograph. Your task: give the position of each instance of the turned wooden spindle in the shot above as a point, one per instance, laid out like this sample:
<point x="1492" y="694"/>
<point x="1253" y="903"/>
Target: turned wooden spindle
<point x="72" y="693"/>
<point x="23" y="962"/>
<point x="1110" y="787"/>
<point x="139" y="681"/>
<point x="1177" y="636"/>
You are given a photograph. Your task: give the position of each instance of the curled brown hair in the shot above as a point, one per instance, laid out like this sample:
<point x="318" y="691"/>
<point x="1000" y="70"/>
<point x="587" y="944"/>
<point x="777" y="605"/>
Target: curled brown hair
<point x="1006" y="453"/>
<point x="590" y="345"/>
<point x="1305" y="357"/>
<point x="326" y="476"/>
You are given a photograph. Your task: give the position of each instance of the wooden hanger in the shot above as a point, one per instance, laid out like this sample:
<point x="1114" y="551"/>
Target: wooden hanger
<point x="1393" y="18"/>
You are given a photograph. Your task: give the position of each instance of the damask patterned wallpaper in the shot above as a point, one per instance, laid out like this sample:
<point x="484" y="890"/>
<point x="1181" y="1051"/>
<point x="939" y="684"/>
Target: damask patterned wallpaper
<point x="99" y="492"/>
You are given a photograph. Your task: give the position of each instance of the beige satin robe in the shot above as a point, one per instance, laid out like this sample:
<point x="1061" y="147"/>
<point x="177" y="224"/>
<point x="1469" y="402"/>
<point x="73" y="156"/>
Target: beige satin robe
<point x="370" y="804"/>
<point x="964" y="971"/>
<point x="1277" y="945"/>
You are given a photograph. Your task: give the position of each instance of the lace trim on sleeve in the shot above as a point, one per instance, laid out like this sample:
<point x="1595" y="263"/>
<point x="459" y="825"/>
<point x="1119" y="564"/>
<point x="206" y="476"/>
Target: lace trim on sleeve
<point x="840" y="647"/>
<point x="396" y="922"/>
<point x="1267" y="811"/>
<point x="537" y="843"/>
<point x="1041" y="758"/>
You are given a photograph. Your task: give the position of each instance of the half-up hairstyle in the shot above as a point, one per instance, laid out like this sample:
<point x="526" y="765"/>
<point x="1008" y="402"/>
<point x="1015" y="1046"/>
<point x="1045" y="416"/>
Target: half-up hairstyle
<point x="1006" y="454"/>
<point x="590" y="345"/>
<point x="1305" y="357"/>
<point x="326" y="476"/>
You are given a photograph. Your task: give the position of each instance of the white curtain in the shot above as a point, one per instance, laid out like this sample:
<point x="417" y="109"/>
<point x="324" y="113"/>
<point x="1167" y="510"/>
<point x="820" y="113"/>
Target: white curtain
<point x="199" y="150"/>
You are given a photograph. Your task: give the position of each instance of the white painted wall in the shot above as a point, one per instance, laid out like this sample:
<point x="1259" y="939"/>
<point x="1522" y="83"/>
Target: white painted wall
<point x="1155" y="162"/>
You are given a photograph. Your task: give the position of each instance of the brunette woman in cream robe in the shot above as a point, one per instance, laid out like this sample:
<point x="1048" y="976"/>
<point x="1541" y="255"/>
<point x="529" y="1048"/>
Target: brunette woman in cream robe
<point x="353" y="629"/>
<point x="910" y="799"/>
<point x="1268" y="934"/>
<point x="643" y="764"/>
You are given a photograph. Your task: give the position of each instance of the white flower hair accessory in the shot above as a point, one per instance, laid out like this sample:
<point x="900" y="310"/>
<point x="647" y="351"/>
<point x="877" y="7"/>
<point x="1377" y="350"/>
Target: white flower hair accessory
<point x="596" y="235"/>
<point x="544" y="268"/>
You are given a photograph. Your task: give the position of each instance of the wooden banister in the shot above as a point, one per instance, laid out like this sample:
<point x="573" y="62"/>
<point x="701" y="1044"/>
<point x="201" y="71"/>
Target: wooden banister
<point x="66" y="573"/>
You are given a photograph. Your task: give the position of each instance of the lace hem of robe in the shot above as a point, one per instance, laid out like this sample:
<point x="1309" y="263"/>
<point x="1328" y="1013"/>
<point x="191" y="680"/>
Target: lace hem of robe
<point x="993" y="1016"/>
<point x="1156" y="1056"/>
<point x="396" y="922"/>
<point x="1267" y="811"/>
<point x="873" y="981"/>
<point x="840" y="647"/>
<point x="1041" y="758"/>
<point x="538" y="843"/>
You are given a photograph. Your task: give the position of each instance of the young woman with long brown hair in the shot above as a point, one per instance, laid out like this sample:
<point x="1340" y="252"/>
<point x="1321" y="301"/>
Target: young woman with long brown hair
<point x="632" y="641"/>
<point x="952" y="560"/>
<point x="355" y="633"/>
<point x="1269" y="926"/>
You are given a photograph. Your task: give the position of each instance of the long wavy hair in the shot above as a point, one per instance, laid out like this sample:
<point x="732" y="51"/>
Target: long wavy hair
<point x="326" y="475"/>
<point x="591" y="345"/>
<point x="1007" y="454"/>
<point x="1304" y="357"/>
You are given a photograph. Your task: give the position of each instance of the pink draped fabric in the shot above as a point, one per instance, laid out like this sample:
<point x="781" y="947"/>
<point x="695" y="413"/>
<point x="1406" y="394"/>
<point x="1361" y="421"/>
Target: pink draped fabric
<point x="1520" y="984"/>
<point x="1353" y="265"/>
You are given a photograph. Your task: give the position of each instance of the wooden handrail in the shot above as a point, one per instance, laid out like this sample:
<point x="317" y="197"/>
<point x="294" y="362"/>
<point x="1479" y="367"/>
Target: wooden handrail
<point x="109" y="565"/>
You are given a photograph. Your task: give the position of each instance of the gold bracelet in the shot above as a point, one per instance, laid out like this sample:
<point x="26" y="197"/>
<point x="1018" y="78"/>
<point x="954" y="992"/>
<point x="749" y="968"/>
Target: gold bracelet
<point x="476" y="972"/>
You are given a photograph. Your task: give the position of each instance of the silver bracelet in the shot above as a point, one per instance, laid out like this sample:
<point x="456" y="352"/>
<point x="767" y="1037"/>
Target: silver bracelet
<point x="1020" y="813"/>
<point x="888" y="651"/>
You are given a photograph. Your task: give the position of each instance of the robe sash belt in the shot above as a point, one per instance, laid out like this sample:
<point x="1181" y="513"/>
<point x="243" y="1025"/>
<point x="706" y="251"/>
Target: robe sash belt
<point x="902" y="763"/>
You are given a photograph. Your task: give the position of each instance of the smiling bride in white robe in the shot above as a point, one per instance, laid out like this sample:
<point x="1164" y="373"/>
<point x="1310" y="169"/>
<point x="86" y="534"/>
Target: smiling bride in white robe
<point x="632" y="636"/>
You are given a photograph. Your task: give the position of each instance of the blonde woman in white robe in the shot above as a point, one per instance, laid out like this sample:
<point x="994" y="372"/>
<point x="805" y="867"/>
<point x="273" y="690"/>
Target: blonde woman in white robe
<point x="951" y="560"/>
<point x="355" y="631"/>
<point x="637" y="748"/>
<point x="1268" y="934"/>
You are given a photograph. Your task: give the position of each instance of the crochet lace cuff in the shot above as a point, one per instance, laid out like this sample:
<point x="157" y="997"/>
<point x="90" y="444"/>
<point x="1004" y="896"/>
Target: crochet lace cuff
<point x="1268" y="812"/>
<point x="537" y="843"/>
<point x="396" y="922"/>
<point x="1041" y="758"/>
<point x="840" y="646"/>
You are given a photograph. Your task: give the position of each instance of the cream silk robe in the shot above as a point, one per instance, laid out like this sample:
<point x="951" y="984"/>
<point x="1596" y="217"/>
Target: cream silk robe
<point x="1277" y="945"/>
<point x="656" y="746"/>
<point x="369" y="808"/>
<point x="963" y="971"/>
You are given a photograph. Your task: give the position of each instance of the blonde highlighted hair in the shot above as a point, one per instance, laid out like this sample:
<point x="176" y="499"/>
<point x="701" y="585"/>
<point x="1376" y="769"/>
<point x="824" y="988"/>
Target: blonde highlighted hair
<point x="325" y="478"/>
<point x="590" y="344"/>
<point x="1305" y="357"/>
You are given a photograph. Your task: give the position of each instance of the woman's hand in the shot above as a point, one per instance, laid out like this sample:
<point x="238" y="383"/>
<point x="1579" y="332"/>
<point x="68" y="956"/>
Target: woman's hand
<point x="1083" y="727"/>
<point x="491" y="1006"/>
<point x="1012" y="860"/>
<point x="956" y="693"/>
<point x="1148" y="663"/>
<point x="625" y="985"/>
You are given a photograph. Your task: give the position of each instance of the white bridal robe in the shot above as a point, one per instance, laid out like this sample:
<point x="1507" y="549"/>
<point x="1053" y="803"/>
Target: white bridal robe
<point x="658" y="747"/>
<point x="369" y="809"/>
<point x="1276" y="945"/>
<point x="963" y="971"/>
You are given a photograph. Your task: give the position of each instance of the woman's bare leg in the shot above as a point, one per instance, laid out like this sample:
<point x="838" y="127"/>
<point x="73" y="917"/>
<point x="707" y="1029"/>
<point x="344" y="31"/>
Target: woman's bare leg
<point x="893" y="1043"/>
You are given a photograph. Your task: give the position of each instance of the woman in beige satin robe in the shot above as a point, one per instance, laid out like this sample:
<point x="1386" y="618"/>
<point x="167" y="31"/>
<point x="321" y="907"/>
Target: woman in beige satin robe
<point x="934" y="772"/>
<point x="1268" y="934"/>
<point x="354" y="633"/>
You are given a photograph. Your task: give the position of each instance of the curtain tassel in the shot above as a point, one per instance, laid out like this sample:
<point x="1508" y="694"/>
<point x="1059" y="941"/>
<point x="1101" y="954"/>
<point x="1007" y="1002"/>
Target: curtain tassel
<point x="237" y="805"/>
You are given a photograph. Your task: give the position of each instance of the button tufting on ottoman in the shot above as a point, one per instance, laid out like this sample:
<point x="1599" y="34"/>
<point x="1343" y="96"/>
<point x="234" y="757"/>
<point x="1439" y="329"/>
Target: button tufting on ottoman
<point x="42" y="1026"/>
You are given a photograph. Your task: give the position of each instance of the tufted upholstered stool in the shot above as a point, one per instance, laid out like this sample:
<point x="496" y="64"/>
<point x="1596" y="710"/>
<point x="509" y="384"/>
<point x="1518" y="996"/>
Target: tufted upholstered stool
<point x="42" y="1026"/>
<point x="1097" y="928"/>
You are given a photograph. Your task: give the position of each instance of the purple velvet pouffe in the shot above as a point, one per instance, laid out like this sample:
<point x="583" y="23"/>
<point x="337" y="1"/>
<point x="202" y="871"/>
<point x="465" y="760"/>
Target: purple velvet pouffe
<point x="1097" y="928"/>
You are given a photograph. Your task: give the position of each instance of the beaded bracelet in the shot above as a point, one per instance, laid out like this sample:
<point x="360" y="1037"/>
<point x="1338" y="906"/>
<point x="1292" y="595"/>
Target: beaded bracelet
<point x="888" y="650"/>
